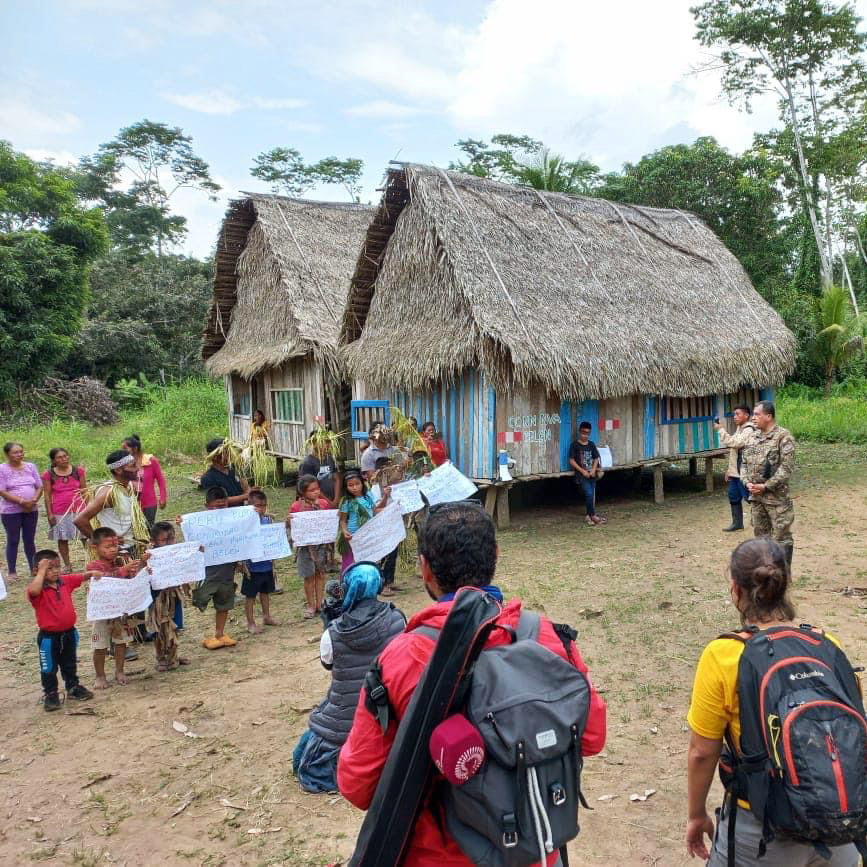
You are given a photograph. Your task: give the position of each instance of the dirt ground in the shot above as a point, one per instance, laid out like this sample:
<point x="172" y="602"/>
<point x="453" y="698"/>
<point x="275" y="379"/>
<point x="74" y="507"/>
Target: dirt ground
<point x="646" y="592"/>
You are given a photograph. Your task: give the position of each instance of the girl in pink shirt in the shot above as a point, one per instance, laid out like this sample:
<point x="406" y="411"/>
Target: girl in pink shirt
<point x="149" y="473"/>
<point x="63" y="485"/>
<point x="311" y="559"/>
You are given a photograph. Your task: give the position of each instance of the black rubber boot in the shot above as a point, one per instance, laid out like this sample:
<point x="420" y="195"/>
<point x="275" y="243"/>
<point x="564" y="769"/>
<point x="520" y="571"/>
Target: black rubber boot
<point x="737" y="517"/>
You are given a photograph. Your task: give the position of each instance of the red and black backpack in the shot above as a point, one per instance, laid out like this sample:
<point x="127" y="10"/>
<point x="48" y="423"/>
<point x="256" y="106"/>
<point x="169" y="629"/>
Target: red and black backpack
<point x="802" y="763"/>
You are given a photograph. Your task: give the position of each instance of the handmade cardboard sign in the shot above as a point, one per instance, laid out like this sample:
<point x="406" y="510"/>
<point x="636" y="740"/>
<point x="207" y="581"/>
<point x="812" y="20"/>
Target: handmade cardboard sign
<point x="275" y="543"/>
<point x="380" y="535"/>
<point x="173" y="565"/>
<point x="108" y="597"/>
<point x="228" y="535"/>
<point x="316" y="527"/>
<point x="606" y="461"/>
<point x="446" y="484"/>
<point x="407" y="496"/>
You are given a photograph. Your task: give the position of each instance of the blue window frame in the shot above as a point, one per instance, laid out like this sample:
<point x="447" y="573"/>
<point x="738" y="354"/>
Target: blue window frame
<point x="677" y="410"/>
<point x="365" y="413"/>
<point x="746" y="394"/>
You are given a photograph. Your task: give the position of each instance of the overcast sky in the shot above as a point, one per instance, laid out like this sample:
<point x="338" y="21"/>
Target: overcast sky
<point x="371" y="79"/>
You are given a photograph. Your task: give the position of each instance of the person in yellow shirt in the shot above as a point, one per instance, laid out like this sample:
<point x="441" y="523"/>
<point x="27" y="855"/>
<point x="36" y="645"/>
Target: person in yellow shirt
<point x="760" y="580"/>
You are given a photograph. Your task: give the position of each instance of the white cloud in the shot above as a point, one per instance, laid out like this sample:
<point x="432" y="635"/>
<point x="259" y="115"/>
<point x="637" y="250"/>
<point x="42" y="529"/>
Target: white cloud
<point x="383" y="108"/>
<point x="26" y="125"/>
<point x="287" y="103"/>
<point x="207" y="102"/>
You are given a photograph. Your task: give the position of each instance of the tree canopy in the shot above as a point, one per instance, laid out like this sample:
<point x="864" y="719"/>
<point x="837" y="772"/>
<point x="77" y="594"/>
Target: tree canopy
<point x="285" y="170"/>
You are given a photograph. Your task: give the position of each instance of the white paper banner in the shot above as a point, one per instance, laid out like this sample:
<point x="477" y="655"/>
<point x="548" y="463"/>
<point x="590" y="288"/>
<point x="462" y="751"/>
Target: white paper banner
<point x="173" y="565"/>
<point x="316" y="527"/>
<point x="113" y="597"/>
<point x="446" y="484"/>
<point x="2" y="587"/>
<point x="376" y="493"/>
<point x="228" y="535"/>
<point x="275" y="543"/>
<point x="606" y="461"/>
<point x="380" y="535"/>
<point x="407" y="496"/>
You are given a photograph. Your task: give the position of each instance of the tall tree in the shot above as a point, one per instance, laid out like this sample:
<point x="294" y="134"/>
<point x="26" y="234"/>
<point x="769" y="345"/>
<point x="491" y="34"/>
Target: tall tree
<point x="839" y="333"/>
<point x="501" y="160"/>
<point x="552" y="172"/>
<point x="285" y="170"/>
<point x="808" y="53"/>
<point x="47" y="242"/>
<point x="160" y="160"/>
<point x="737" y="196"/>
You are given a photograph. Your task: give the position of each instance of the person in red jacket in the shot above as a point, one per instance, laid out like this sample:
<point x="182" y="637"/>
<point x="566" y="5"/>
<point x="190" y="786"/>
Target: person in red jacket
<point x="457" y="548"/>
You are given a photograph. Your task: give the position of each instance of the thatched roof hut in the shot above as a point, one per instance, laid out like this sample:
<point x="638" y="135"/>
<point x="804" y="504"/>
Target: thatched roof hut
<point x="282" y="272"/>
<point x="587" y="298"/>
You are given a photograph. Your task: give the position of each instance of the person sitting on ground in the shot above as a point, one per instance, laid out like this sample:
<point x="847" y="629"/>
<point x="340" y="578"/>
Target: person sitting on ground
<point x="737" y="490"/>
<point x="221" y="475"/>
<point x="457" y="548"/>
<point x="218" y="588"/>
<point x="760" y="580"/>
<point x="259" y="580"/>
<point x="439" y="453"/>
<point x="150" y="473"/>
<point x="117" y="633"/>
<point x="584" y="459"/>
<point x="63" y="484"/>
<point x="50" y="594"/>
<point x="162" y="612"/>
<point x="311" y="560"/>
<point x="347" y="648"/>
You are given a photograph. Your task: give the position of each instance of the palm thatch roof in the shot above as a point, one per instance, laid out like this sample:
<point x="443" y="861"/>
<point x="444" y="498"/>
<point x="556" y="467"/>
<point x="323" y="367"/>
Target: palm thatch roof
<point x="281" y="276"/>
<point x="588" y="298"/>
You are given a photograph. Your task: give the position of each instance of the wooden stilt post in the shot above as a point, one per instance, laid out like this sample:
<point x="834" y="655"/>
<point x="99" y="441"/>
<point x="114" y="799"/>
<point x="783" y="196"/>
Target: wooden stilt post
<point x="708" y="473"/>
<point x="658" y="491"/>
<point x="279" y="466"/>
<point x="491" y="500"/>
<point x="504" y="519"/>
<point x="693" y="466"/>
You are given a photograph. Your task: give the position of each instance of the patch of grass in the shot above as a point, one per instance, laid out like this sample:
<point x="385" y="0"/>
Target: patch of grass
<point x="178" y="421"/>
<point x="840" y="418"/>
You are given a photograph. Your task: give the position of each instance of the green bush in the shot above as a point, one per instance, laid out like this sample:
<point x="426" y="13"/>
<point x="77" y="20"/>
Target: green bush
<point x="177" y="421"/>
<point x="841" y="418"/>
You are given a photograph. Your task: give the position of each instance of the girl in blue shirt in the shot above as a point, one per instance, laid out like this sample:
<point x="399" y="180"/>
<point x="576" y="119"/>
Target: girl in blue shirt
<point x="356" y="509"/>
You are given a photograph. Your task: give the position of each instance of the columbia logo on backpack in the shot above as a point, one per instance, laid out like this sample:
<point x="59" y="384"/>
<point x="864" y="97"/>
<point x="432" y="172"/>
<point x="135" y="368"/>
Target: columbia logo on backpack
<point x="802" y="764"/>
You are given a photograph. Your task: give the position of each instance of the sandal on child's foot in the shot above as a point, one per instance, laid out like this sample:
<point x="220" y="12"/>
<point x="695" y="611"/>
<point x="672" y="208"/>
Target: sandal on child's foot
<point x="309" y="613"/>
<point x="227" y="640"/>
<point x="162" y="666"/>
<point x="212" y="643"/>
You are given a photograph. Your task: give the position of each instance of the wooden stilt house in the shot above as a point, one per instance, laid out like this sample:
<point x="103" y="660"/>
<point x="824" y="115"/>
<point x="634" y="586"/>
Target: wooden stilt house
<point x="281" y="276"/>
<point x="507" y="315"/>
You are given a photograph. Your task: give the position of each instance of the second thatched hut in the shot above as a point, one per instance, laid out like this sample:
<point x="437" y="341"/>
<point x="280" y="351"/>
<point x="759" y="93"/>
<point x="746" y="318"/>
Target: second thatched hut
<point x="281" y="276"/>
<point x="508" y="315"/>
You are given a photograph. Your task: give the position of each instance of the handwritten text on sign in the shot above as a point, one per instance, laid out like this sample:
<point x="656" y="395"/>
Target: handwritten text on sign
<point x="446" y="484"/>
<point x="173" y="565"/>
<point x="274" y="541"/>
<point x="407" y="496"/>
<point x="316" y="527"/>
<point x="108" y="598"/>
<point x="228" y="535"/>
<point x="380" y="535"/>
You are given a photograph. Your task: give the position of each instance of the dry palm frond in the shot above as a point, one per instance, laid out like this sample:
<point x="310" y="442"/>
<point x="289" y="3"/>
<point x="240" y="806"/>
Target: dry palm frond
<point x="140" y="529"/>
<point x="405" y="435"/>
<point x="258" y="464"/>
<point x="282" y="273"/>
<point x="324" y="442"/>
<point x="230" y="453"/>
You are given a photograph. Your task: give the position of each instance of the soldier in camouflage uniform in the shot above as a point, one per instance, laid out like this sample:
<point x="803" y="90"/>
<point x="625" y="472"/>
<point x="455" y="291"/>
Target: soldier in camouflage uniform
<point x="766" y="468"/>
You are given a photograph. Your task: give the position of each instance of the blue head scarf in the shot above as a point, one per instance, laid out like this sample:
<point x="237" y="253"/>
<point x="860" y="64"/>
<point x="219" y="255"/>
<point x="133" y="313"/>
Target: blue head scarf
<point x="363" y="581"/>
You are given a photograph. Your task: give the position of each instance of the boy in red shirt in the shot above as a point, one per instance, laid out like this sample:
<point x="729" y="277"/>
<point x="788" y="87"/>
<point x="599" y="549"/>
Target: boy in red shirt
<point x="51" y="598"/>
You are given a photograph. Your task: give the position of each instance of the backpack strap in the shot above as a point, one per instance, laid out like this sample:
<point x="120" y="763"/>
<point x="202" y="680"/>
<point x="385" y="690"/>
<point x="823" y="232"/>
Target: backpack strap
<point x="430" y="631"/>
<point x="528" y="626"/>
<point x="376" y="696"/>
<point x="567" y="636"/>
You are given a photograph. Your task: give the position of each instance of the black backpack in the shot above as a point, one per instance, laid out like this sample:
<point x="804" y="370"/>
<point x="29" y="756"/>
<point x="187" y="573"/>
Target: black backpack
<point x="531" y="707"/>
<point x="802" y="763"/>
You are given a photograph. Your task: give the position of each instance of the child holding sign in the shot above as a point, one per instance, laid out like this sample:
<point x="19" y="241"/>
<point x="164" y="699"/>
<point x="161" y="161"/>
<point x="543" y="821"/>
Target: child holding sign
<point x="57" y="640"/>
<point x="116" y="632"/>
<point x="356" y="509"/>
<point x="311" y="559"/>
<point x="219" y="584"/>
<point x="162" y="612"/>
<point x="260" y="578"/>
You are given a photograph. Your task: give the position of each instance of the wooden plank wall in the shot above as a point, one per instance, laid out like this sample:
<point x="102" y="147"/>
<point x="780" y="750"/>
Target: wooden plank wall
<point x="287" y="438"/>
<point x="463" y="412"/>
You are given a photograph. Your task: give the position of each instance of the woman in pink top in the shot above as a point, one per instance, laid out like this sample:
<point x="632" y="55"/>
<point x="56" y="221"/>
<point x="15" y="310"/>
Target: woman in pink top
<point x="63" y="486"/>
<point x="20" y="490"/>
<point x="149" y="472"/>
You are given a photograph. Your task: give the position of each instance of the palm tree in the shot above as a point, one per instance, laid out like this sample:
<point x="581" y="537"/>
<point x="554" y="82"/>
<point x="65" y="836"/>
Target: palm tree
<point x="556" y="174"/>
<point x="840" y="333"/>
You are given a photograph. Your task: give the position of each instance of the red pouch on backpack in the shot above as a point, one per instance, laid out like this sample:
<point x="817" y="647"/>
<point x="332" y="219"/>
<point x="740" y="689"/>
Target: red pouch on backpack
<point x="457" y="749"/>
